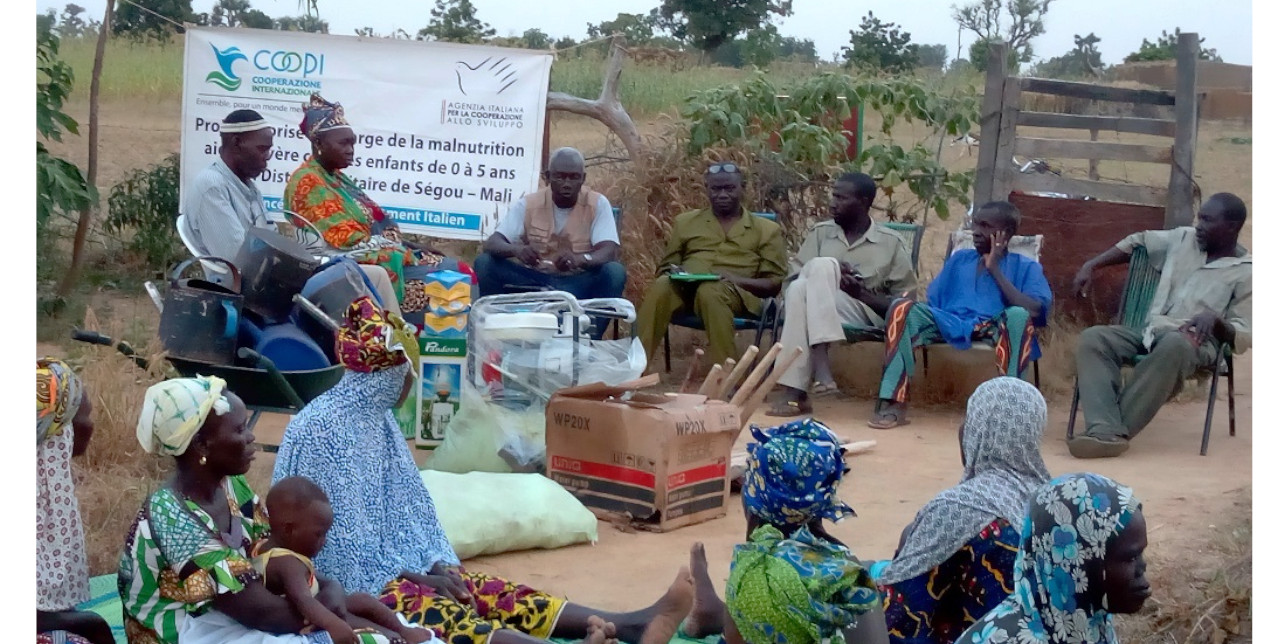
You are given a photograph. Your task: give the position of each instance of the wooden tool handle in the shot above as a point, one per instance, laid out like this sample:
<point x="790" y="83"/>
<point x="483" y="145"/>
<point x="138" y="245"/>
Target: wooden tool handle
<point x="757" y="374"/>
<point x="758" y="395"/>
<point x="693" y="368"/>
<point x="725" y="370"/>
<point x="713" y="380"/>
<point x="740" y="370"/>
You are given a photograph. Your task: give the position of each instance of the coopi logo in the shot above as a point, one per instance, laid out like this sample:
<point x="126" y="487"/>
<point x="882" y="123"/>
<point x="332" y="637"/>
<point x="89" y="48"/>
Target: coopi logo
<point x="226" y="77"/>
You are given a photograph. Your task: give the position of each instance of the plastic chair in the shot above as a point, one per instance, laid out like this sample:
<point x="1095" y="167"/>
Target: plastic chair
<point x="768" y="320"/>
<point x="213" y="272"/>
<point x="1135" y="303"/>
<point x="913" y="234"/>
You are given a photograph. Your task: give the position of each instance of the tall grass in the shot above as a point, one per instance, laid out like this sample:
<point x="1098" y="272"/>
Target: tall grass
<point x="135" y="71"/>
<point x="153" y="71"/>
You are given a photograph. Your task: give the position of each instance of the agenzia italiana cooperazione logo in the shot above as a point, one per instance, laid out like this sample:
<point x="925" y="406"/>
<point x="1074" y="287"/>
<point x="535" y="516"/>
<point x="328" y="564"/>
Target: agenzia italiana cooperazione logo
<point x="225" y="77"/>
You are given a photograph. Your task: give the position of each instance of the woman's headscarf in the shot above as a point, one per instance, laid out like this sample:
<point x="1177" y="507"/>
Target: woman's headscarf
<point x="1003" y="425"/>
<point x="792" y="474"/>
<point x="319" y="115"/>
<point x="795" y="590"/>
<point x="59" y="393"/>
<point x="173" y="412"/>
<point x="372" y="339"/>
<point x="1071" y="521"/>
<point x="62" y="569"/>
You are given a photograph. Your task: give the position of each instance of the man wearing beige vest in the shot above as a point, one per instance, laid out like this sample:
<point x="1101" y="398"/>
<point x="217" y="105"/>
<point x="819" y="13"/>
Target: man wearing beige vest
<point x="562" y="237"/>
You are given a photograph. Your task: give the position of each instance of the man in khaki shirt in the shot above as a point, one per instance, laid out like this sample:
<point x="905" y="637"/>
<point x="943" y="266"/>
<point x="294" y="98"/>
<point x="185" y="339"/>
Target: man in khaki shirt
<point x="1204" y="298"/>
<point x="746" y="252"/>
<point x="849" y="269"/>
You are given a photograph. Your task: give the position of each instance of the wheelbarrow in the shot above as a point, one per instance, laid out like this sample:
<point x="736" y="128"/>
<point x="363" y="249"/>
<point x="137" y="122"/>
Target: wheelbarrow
<point x="263" y="389"/>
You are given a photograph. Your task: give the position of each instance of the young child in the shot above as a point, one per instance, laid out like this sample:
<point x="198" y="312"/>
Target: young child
<point x="300" y="518"/>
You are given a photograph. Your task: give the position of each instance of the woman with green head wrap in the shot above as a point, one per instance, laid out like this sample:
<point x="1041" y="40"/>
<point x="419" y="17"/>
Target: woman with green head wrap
<point x="791" y="582"/>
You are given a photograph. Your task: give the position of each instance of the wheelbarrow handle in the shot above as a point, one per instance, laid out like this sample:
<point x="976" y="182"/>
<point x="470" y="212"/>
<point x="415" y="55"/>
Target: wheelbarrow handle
<point x="278" y="378"/>
<point x="93" y="337"/>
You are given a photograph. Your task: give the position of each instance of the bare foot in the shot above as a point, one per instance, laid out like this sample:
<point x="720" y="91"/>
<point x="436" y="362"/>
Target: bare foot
<point x="594" y="635"/>
<point x="706" y="618"/>
<point x="597" y="624"/>
<point x="670" y="610"/>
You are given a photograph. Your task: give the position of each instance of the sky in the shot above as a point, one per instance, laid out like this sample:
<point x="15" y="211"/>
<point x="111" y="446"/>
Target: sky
<point x="1226" y="25"/>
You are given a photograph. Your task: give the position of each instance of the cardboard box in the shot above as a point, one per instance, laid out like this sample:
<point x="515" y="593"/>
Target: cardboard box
<point x="439" y="396"/>
<point x="662" y="459"/>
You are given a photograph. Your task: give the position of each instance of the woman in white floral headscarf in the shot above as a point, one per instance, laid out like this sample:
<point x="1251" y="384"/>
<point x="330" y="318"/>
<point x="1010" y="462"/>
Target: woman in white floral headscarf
<point x="63" y="428"/>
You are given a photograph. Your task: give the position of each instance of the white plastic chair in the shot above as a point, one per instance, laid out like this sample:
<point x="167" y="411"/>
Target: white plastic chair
<point x="213" y="272"/>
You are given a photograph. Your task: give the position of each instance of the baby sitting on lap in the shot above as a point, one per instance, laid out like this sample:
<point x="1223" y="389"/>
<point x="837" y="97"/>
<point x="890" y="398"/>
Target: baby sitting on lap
<point x="300" y="518"/>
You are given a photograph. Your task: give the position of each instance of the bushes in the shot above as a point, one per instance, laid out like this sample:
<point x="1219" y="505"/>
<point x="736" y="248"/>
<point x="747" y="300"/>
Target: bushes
<point x="146" y="203"/>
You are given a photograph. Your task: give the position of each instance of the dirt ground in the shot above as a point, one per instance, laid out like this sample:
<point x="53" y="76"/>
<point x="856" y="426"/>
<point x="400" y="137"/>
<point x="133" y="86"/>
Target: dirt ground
<point x="1186" y="496"/>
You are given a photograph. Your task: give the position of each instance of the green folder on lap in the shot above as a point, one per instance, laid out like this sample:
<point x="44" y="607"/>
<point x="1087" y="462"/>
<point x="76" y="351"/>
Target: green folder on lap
<point x="694" y="277"/>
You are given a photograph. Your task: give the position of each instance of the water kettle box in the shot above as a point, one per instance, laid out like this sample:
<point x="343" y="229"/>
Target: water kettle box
<point x="662" y="460"/>
<point x="442" y="362"/>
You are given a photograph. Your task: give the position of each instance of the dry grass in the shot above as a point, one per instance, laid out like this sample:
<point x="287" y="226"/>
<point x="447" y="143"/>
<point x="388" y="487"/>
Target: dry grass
<point x="1203" y="600"/>
<point x="115" y="474"/>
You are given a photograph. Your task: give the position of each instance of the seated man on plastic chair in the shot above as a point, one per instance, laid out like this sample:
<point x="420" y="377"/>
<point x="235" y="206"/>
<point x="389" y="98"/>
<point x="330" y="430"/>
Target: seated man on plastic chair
<point x="983" y="293"/>
<point x="224" y="204"/>
<point x="848" y="271"/>
<point x="745" y="254"/>
<point x="563" y="237"/>
<point x="1204" y="299"/>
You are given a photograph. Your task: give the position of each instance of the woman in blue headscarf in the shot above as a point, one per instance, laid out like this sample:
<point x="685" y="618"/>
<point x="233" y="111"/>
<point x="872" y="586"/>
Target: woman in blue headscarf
<point x="1080" y="561"/>
<point x="791" y="582"/>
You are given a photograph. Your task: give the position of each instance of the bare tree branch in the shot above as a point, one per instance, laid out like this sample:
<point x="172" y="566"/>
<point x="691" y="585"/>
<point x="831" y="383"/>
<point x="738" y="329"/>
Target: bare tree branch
<point x="607" y="108"/>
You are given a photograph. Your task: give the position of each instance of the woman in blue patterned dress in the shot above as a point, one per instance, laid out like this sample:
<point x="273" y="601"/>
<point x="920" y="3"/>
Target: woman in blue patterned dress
<point x="1080" y="560"/>
<point x="956" y="558"/>
<point x="386" y="539"/>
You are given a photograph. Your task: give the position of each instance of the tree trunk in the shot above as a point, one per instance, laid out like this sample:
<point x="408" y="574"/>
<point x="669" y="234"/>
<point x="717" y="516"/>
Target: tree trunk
<point x="86" y="214"/>
<point x="607" y="109"/>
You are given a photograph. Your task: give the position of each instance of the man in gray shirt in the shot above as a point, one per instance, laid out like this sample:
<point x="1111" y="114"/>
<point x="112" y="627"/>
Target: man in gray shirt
<point x="223" y="203"/>
<point x="1204" y="298"/>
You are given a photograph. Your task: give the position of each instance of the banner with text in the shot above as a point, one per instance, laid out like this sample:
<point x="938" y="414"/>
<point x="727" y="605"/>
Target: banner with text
<point x="447" y="135"/>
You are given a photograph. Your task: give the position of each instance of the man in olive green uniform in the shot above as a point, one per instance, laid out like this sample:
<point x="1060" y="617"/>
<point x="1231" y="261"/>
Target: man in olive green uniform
<point x="746" y="252"/>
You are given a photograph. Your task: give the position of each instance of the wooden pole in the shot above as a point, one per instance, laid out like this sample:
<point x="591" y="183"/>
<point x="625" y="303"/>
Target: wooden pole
<point x="761" y="391"/>
<point x="748" y="357"/>
<point x="989" y="139"/>
<point x="1093" y="163"/>
<point x="1180" y="210"/>
<point x="757" y="374"/>
<point x="69" y="280"/>
<point x="713" y="380"/>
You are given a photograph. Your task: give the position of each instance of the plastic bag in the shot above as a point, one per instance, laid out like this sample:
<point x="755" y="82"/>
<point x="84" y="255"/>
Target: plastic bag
<point x="481" y="429"/>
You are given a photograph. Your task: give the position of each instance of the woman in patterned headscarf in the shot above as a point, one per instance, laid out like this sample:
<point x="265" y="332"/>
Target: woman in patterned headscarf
<point x="63" y="429"/>
<point x="792" y="582"/>
<point x="343" y="213"/>
<point x="386" y="539"/>
<point x="956" y="558"/>
<point x="1080" y="560"/>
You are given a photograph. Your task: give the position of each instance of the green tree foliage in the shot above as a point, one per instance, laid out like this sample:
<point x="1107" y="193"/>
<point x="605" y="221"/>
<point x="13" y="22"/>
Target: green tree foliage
<point x="137" y="24"/>
<point x="708" y="24"/>
<point x="565" y="43"/>
<point x="979" y="51"/>
<point x="933" y="56"/>
<point x="72" y="25"/>
<point x="146" y="204"/>
<point x="1083" y="61"/>
<point x="1166" y="48"/>
<point x="797" y="49"/>
<point x="256" y="19"/>
<point x="802" y="134"/>
<point x="881" y="46"/>
<point x="639" y="29"/>
<point x="455" y="21"/>
<point x="986" y="19"/>
<point x="60" y="187"/>
<point x="308" y="23"/>
<point x="536" y="39"/>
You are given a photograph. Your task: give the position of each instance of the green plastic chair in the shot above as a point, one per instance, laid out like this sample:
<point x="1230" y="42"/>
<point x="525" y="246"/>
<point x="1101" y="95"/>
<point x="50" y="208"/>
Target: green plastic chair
<point x="768" y="320"/>
<point x="1135" y="304"/>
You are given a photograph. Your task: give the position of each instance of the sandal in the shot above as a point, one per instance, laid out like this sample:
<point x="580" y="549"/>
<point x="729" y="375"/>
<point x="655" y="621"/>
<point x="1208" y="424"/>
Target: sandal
<point x="789" y="409"/>
<point x="888" y="419"/>
<point x="825" y="390"/>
